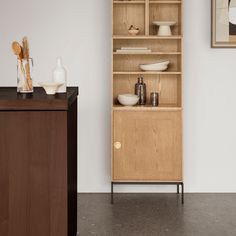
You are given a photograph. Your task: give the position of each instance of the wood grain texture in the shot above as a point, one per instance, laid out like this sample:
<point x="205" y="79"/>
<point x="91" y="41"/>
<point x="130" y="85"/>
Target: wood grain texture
<point x="131" y="62"/>
<point x="37" y="187"/>
<point x="123" y="84"/>
<point x="165" y="12"/>
<point x="151" y="146"/>
<point x="125" y="15"/>
<point x="38" y="172"/>
<point x="151" y="138"/>
<point x="72" y="169"/>
<point x="153" y="44"/>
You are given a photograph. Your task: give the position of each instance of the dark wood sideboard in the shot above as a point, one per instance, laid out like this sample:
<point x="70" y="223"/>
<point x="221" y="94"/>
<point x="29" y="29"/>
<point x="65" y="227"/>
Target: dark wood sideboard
<point x="38" y="163"/>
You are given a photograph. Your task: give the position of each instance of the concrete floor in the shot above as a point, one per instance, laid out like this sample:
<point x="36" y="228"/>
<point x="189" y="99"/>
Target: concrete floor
<point x="157" y="215"/>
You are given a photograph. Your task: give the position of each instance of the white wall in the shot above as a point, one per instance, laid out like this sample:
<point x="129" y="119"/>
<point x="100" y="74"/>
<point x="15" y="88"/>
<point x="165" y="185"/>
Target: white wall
<point x="80" y="32"/>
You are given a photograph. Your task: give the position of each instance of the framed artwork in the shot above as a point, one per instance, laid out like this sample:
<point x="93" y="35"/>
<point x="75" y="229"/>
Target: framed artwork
<point x="223" y="23"/>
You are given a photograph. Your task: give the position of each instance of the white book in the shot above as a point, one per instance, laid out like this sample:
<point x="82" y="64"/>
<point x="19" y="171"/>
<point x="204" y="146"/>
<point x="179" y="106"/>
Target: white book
<point x="134" y="48"/>
<point x="133" y="51"/>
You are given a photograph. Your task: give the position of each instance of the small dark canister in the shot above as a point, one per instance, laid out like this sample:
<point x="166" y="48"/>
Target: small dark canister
<point x="154" y="98"/>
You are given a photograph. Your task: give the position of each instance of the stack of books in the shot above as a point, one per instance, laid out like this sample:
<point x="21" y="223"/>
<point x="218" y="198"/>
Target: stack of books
<point x="133" y="50"/>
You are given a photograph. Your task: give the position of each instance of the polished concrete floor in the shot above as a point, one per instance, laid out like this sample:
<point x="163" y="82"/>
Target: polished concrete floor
<point x="157" y="215"/>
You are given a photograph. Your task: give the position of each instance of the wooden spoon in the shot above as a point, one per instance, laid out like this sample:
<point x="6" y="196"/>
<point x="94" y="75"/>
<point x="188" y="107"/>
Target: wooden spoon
<point x="17" y="49"/>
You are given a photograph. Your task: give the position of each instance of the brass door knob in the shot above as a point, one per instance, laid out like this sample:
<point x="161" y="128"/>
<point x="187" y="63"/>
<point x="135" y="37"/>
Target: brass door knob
<point x="117" y="145"/>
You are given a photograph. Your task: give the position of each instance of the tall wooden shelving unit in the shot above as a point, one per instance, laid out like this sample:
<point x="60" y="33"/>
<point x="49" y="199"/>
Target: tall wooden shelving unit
<point x="146" y="140"/>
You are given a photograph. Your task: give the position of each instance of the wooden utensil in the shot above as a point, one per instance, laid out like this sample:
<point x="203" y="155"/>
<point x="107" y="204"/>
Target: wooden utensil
<point x="17" y="49"/>
<point x="25" y="48"/>
<point x="27" y="65"/>
<point x="159" y="85"/>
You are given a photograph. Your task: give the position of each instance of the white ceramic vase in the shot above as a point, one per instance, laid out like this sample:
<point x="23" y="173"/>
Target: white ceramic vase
<point x="59" y="76"/>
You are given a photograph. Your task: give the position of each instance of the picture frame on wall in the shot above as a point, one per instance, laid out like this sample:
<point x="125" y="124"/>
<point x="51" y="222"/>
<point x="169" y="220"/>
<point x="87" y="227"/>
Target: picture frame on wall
<point x="223" y="25"/>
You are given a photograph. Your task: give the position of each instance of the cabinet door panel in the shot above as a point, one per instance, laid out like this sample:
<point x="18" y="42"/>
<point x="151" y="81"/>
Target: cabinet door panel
<point x="151" y="146"/>
<point x="33" y="174"/>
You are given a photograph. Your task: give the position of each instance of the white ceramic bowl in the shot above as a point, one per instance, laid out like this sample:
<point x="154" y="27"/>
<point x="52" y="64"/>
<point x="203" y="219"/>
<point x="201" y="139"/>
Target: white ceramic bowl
<point x="160" y="23"/>
<point x="50" y="87"/>
<point x="128" y="99"/>
<point x="159" y="66"/>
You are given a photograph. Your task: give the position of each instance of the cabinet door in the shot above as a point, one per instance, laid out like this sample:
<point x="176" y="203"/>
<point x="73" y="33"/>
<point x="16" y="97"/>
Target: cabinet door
<point x="33" y="173"/>
<point x="147" y="146"/>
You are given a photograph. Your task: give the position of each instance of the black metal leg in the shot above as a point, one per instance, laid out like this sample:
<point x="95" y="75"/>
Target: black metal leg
<point x="111" y="192"/>
<point x="166" y="183"/>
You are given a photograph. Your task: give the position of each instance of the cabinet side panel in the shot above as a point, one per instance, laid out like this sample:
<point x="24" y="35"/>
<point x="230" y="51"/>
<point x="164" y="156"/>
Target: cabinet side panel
<point x="72" y="169"/>
<point x="4" y="177"/>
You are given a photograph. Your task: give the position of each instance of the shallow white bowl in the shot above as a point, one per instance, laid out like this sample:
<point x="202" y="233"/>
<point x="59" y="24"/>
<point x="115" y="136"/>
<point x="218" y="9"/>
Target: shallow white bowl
<point x="167" y="23"/>
<point x="50" y="87"/>
<point x="128" y="99"/>
<point x="159" y="66"/>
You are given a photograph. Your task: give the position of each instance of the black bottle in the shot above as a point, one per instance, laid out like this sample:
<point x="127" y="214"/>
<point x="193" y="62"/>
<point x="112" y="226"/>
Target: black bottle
<point x="140" y="90"/>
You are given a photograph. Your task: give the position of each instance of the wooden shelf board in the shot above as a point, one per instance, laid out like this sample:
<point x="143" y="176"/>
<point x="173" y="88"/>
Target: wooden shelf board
<point x="146" y="73"/>
<point x="129" y="2"/>
<point x="147" y="53"/>
<point x="165" y="2"/>
<point x="146" y="181"/>
<point x="146" y="37"/>
<point x="151" y="2"/>
<point x="168" y="107"/>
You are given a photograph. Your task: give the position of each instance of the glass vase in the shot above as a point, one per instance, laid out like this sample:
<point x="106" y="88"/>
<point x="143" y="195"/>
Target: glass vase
<point x="24" y="75"/>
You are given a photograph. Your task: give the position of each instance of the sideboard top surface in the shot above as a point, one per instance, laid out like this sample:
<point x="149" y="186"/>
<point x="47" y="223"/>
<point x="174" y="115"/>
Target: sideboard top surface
<point x="39" y="100"/>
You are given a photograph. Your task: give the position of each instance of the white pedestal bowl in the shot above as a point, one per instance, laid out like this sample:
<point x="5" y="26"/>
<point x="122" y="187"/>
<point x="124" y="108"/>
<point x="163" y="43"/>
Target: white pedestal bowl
<point x="164" y="27"/>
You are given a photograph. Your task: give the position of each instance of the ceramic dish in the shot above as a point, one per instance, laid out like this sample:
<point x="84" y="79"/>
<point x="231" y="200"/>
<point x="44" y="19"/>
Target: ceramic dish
<point x="164" y="27"/>
<point x="128" y="99"/>
<point x="134" y="31"/>
<point x="50" y="87"/>
<point x="160" y="23"/>
<point x="158" y="66"/>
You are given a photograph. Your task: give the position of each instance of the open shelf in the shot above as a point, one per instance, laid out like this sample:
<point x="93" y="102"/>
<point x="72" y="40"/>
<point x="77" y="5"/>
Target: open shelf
<point x="147" y="37"/>
<point x="165" y="2"/>
<point x="165" y="12"/>
<point x="146" y="53"/>
<point x="129" y="2"/>
<point x="126" y="64"/>
<point x="158" y="47"/>
<point x="151" y="2"/>
<point x="131" y="62"/>
<point x="146" y="73"/>
<point x="168" y="84"/>
<point x="128" y="14"/>
<point x="163" y="107"/>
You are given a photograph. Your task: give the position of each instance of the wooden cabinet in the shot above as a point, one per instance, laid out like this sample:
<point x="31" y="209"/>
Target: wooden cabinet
<point x="150" y="146"/>
<point x="147" y="141"/>
<point x="38" y="163"/>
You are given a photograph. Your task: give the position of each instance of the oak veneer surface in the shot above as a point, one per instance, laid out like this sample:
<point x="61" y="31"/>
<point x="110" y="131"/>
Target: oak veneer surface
<point x="38" y="165"/>
<point x="151" y="146"/>
<point x="150" y="137"/>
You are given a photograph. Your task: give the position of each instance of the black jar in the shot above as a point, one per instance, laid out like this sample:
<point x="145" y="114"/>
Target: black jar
<point x="140" y="90"/>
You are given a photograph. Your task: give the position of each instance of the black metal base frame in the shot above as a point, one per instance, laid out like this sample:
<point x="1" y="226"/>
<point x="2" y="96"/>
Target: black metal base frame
<point x="148" y="183"/>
